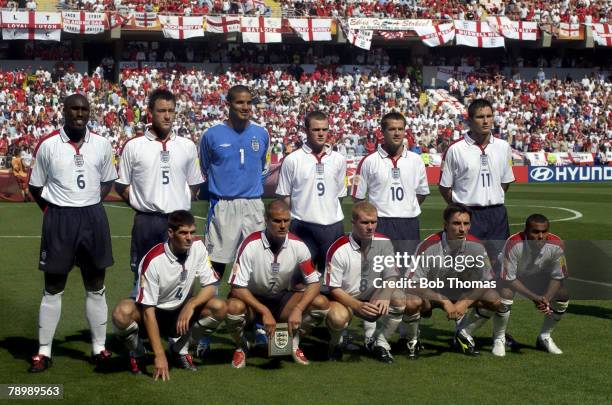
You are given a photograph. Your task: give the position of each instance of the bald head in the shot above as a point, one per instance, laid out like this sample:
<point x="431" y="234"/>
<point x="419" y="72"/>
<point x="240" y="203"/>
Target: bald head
<point x="277" y="205"/>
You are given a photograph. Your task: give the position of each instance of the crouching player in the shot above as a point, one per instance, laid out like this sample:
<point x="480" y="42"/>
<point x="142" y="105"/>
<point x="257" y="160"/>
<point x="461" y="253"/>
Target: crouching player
<point x="534" y="266"/>
<point x="454" y="273"/>
<point x="269" y="269"/>
<point x="165" y="303"/>
<point x="356" y="287"/>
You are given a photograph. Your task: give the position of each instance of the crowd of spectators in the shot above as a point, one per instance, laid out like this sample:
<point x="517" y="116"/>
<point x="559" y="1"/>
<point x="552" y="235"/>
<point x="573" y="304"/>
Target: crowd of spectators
<point x="548" y="115"/>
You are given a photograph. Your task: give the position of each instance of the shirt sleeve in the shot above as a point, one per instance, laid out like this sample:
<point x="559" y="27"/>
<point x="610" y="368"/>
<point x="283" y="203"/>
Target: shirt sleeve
<point x="342" y="180"/>
<point x="447" y="169"/>
<point x="125" y="165"/>
<point x="311" y="275"/>
<point x="360" y="180"/>
<point x="508" y="174"/>
<point x="204" y="154"/>
<point x="559" y="264"/>
<point x="511" y="259"/>
<point x="38" y="177"/>
<point x="334" y="271"/>
<point x="148" y="285"/>
<point x="194" y="175"/>
<point x="205" y="271"/>
<point x="284" y="178"/>
<point x="388" y="251"/>
<point x="108" y="173"/>
<point x="423" y="185"/>
<point x="241" y="271"/>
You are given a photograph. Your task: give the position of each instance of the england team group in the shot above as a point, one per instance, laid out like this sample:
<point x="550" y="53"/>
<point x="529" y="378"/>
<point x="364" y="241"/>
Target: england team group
<point x="290" y="261"/>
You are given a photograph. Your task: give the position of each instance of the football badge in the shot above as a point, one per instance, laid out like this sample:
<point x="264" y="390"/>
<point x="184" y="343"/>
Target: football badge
<point x="255" y="145"/>
<point x="165" y="156"/>
<point x="280" y="344"/>
<point x="78" y="160"/>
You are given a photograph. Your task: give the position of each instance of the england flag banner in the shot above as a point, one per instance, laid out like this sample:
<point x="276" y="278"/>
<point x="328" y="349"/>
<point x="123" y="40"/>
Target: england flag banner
<point x="477" y="34"/>
<point x="31" y="25"/>
<point x="436" y="35"/>
<point x="570" y="31"/>
<point x="145" y="19"/>
<point x="261" y="30"/>
<point x="312" y="29"/>
<point x="521" y="30"/>
<point x="179" y="27"/>
<point x="80" y="22"/>
<point x="221" y="25"/>
<point x="602" y="34"/>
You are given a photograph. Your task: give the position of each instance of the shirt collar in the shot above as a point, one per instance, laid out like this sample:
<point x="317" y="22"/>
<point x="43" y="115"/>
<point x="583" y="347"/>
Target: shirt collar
<point x="266" y="242"/>
<point x="171" y="255"/>
<point x="152" y="137"/>
<point x="308" y="149"/>
<point x="471" y="141"/>
<point x="353" y="242"/>
<point x="65" y="137"/>
<point x="384" y="154"/>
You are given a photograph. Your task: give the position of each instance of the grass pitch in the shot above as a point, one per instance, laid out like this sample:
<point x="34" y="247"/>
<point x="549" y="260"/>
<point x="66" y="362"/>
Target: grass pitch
<point x="581" y="374"/>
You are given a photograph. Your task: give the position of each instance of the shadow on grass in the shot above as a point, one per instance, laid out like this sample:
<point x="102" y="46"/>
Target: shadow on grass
<point x="590" y="310"/>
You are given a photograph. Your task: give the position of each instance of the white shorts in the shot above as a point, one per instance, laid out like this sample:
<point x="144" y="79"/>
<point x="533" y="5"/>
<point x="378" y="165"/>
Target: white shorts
<point x="229" y="223"/>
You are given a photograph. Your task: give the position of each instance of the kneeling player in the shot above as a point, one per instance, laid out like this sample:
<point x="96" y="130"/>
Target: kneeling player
<point x="454" y="274"/>
<point x="534" y="266"/>
<point x="360" y="289"/>
<point x="165" y="301"/>
<point x="263" y="281"/>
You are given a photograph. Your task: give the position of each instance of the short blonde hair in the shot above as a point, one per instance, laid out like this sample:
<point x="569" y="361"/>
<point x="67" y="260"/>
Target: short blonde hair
<point x="363" y="207"/>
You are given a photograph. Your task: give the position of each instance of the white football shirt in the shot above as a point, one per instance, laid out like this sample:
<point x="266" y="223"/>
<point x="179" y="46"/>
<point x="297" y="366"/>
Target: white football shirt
<point x="474" y="174"/>
<point x="165" y="283"/>
<point x="314" y="184"/>
<point x="520" y="259"/>
<point x="264" y="273"/>
<point x="392" y="185"/>
<point x="70" y="174"/>
<point x="159" y="172"/>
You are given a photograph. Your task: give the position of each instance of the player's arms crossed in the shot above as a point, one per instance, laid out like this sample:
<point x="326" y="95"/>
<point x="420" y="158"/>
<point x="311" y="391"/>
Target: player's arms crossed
<point x="202" y="297"/>
<point x="243" y="294"/>
<point x="161" y="362"/>
<point x="124" y="191"/>
<point x="105" y="188"/>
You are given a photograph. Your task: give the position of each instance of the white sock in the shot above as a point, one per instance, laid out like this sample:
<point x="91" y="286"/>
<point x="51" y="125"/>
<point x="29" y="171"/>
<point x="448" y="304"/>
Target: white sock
<point x="311" y="319"/>
<point x="550" y="321"/>
<point x="96" y="312"/>
<point x="296" y="340"/>
<point x="204" y="327"/>
<point x="387" y="325"/>
<point x="179" y="344"/>
<point x="368" y="329"/>
<point x="48" y="318"/>
<point x="501" y="318"/>
<point x="411" y="326"/>
<point x="131" y="340"/>
<point x="474" y="320"/>
<point x="235" y="326"/>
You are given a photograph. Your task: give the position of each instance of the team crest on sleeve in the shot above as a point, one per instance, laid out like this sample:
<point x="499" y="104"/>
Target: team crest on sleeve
<point x="255" y="145"/>
<point x="235" y="268"/>
<point x="142" y="281"/>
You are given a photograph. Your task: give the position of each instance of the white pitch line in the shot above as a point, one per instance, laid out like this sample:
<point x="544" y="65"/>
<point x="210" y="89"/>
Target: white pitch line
<point x="38" y="236"/>
<point x="590" y="282"/>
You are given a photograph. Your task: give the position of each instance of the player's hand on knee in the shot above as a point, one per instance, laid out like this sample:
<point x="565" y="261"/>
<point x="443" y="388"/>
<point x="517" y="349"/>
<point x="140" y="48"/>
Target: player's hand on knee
<point x="269" y="322"/>
<point x="161" y="368"/>
<point x="368" y="309"/>
<point x="382" y="305"/>
<point x="182" y="323"/>
<point x="294" y="321"/>
<point x="543" y="305"/>
<point x="449" y="308"/>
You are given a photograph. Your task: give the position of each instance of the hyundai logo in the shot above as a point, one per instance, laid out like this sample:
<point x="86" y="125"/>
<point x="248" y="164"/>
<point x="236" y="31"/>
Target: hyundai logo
<point x="542" y="174"/>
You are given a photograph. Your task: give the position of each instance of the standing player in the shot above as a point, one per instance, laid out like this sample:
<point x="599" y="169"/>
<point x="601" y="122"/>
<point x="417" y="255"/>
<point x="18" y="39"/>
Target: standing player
<point x="158" y="174"/>
<point x="394" y="180"/>
<point x="72" y="174"/>
<point x="264" y="284"/>
<point x="534" y="266"/>
<point x="312" y="182"/>
<point x="477" y="171"/>
<point x="20" y="173"/>
<point x="447" y="258"/>
<point x="233" y="161"/>
<point x="353" y="288"/>
<point x="166" y="304"/>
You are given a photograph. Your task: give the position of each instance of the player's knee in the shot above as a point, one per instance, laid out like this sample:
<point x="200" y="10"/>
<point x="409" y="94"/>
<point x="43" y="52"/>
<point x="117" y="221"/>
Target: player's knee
<point x="505" y="293"/>
<point x="123" y="314"/>
<point x="320" y="303"/>
<point x="55" y="283"/>
<point x="95" y="283"/>
<point x="236" y="307"/>
<point x="562" y="294"/>
<point x="217" y="308"/>
<point x="338" y="316"/>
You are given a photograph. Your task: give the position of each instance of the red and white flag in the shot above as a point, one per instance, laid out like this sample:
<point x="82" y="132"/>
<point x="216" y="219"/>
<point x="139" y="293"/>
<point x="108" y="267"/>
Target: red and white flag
<point x="602" y="34"/>
<point x="437" y="34"/>
<point x="179" y="27"/>
<point x="145" y="19"/>
<point x="260" y="30"/>
<point x="521" y="30"/>
<point x="31" y="25"/>
<point x="360" y="38"/>
<point x="312" y="29"/>
<point x="477" y="34"/>
<point x="115" y="20"/>
<point x="80" y="22"/>
<point x="222" y="25"/>
<point x="569" y="31"/>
